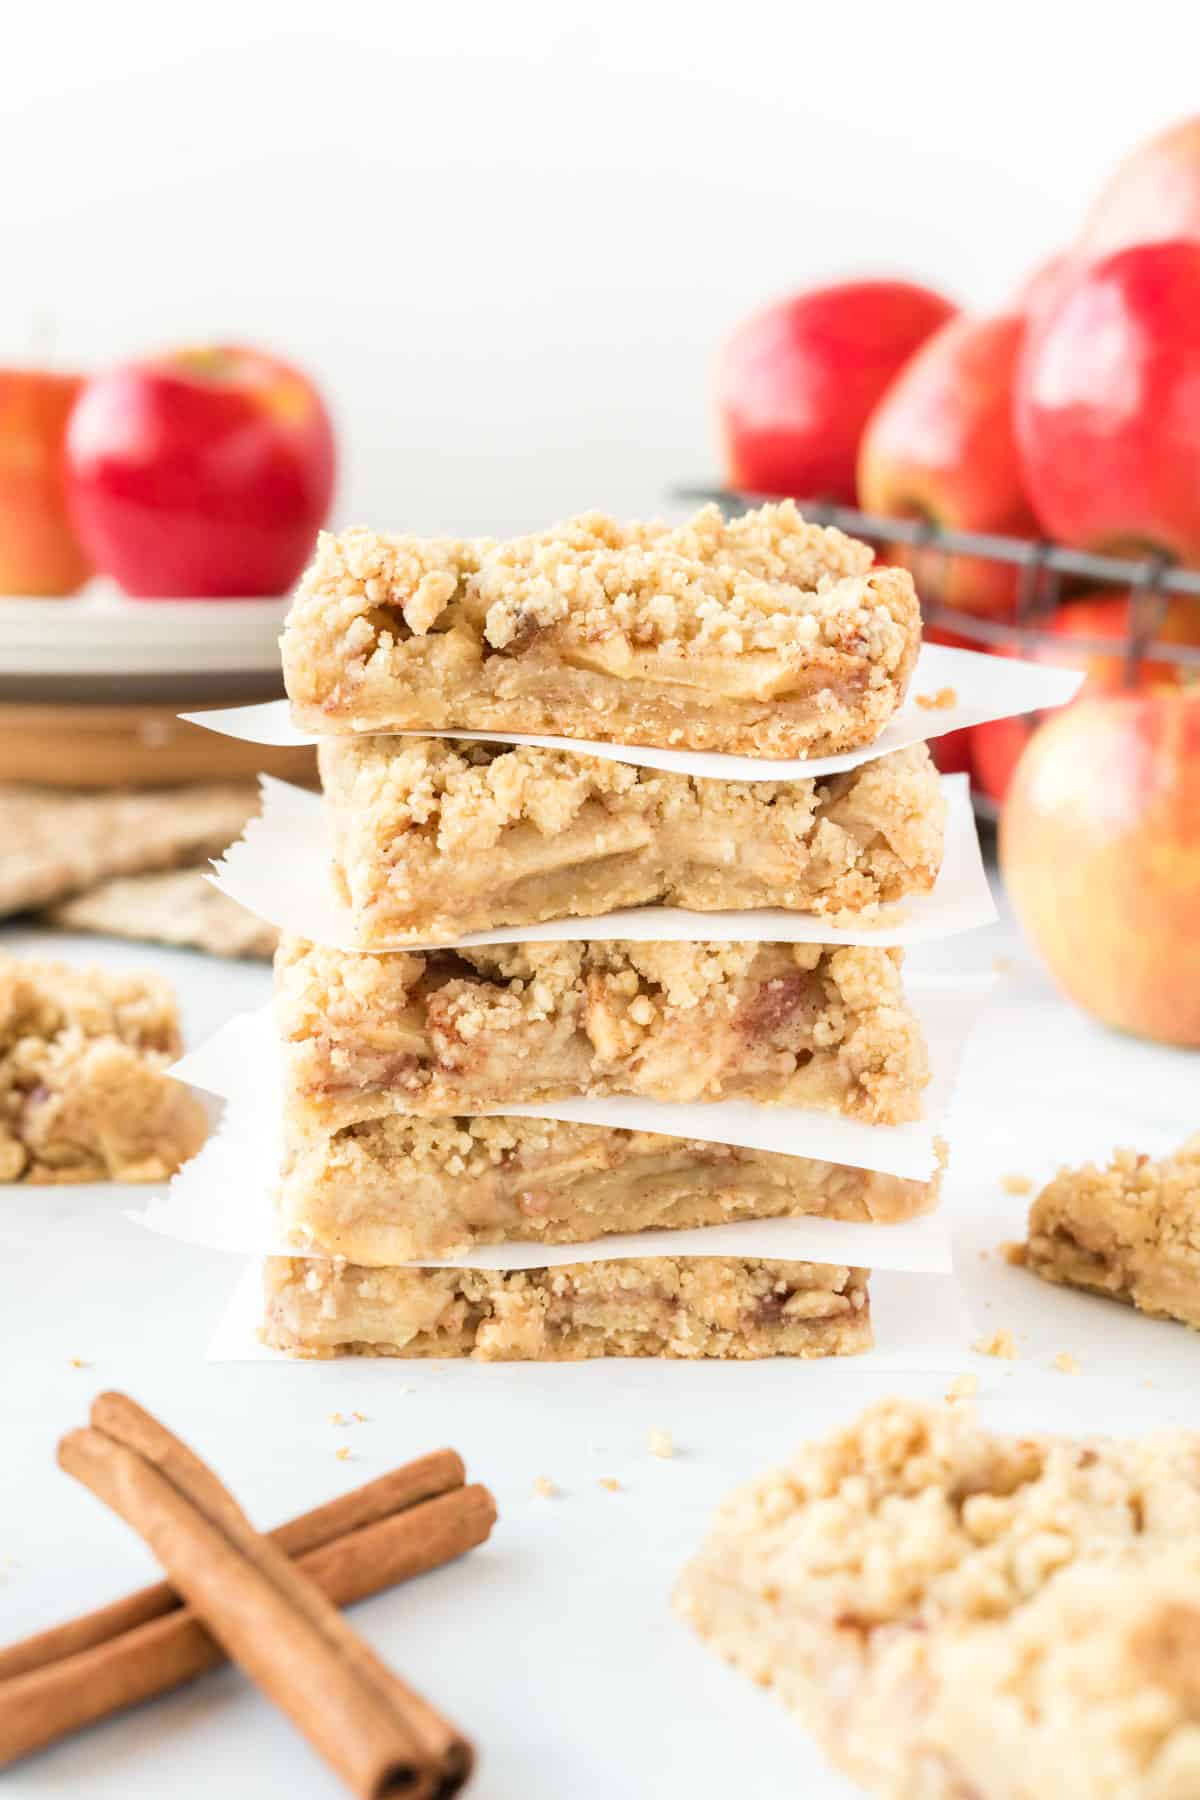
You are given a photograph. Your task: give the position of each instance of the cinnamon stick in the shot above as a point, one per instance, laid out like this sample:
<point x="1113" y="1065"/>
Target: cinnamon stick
<point x="378" y="1734"/>
<point x="104" y="1676"/>
<point x="428" y="1476"/>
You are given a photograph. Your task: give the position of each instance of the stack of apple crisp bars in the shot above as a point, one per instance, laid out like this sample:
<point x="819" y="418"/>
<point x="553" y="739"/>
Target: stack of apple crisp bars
<point x="479" y="1082"/>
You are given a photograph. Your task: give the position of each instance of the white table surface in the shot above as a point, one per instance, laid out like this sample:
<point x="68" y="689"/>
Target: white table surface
<point x="554" y="1646"/>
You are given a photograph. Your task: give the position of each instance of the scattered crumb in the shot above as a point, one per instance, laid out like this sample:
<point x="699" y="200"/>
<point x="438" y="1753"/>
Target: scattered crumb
<point x="1065" y="1363"/>
<point x="1002" y="964"/>
<point x="342" y="1453"/>
<point x="359" y="1418"/>
<point x="336" y="1419"/>
<point x="1148" y="1383"/>
<point x="1016" y="1184"/>
<point x="941" y="701"/>
<point x="962" y="1387"/>
<point x="77" y="1362"/>
<point x="544" y="1488"/>
<point x="610" y="1483"/>
<point x="999" y="1343"/>
<point x="1014" y="1253"/>
<point x="660" y="1443"/>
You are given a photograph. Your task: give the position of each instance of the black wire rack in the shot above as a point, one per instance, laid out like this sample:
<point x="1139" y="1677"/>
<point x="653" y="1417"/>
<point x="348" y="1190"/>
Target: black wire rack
<point x="1047" y="576"/>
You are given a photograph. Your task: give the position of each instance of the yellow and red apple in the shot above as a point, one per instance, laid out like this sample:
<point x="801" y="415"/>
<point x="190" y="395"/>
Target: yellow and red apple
<point x="1100" y="849"/>
<point x="940" y="447"/>
<point x="40" y="554"/>
<point x="798" y="381"/>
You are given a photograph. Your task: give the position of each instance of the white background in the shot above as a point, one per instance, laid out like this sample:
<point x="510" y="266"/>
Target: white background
<point x="508" y="236"/>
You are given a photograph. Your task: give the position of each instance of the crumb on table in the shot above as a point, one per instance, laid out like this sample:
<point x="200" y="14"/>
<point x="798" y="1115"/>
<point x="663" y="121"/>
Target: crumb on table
<point x="1017" y="1184"/>
<point x="962" y="1387"/>
<point x="1014" y="1252"/>
<point x="660" y="1443"/>
<point x="1066" y="1364"/>
<point x="610" y="1483"/>
<point x="544" y="1488"/>
<point x="997" y="1343"/>
<point x="342" y="1453"/>
<point x="940" y="701"/>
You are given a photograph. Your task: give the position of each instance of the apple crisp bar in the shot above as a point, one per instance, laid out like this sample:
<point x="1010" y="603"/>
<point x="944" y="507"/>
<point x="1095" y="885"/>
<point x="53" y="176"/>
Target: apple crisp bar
<point x="399" y="1190"/>
<point x="763" y="634"/>
<point x="704" y="1306"/>
<point x="955" y="1613"/>
<point x="83" y="1096"/>
<point x="434" y="837"/>
<point x="473" y="1030"/>
<point x="1131" y="1230"/>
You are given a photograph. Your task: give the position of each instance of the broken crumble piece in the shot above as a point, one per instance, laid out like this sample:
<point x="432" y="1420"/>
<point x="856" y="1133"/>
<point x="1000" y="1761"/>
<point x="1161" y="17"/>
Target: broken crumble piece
<point x="957" y="1613"/>
<point x="940" y="701"/>
<point x="1128" y="1231"/>
<point x="83" y="1093"/>
<point x="761" y="634"/>
<point x="997" y="1343"/>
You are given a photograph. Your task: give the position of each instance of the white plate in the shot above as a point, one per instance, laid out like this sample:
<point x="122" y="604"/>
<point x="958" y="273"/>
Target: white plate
<point x="102" y="632"/>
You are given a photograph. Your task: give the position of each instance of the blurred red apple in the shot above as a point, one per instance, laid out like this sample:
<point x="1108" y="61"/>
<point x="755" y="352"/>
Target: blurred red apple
<point x="797" y="382"/>
<point x="1100" y="848"/>
<point x="1155" y="194"/>
<point x="996" y="747"/>
<point x="1108" y="404"/>
<point x="939" y="446"/>
<point x="39" y="552"/>
<point x="202" y="472"/>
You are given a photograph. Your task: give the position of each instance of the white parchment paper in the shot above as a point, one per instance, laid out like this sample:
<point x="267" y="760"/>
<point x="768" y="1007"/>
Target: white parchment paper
<point x="280" y="870"/>
<point x="920" y="1323"/>
<point x="984" y="687"/>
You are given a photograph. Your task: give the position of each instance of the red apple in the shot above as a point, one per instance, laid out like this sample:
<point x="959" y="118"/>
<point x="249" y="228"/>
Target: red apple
<point x="1100" y="849"/>
<point x="202" y="472"/>
<point x="39" y="551"/>
<point x="797" y="382"/>
<point x="996" y="747"/>
<point x="1108" y="404"/>
<point x="1155" y="194"/>
<point x="939" y="446"/>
